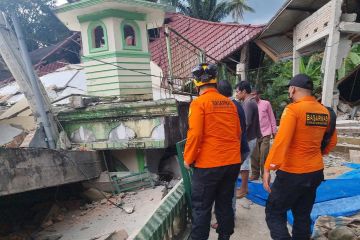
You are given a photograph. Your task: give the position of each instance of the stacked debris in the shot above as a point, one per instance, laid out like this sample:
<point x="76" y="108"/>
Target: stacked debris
<point x="347" y="111"/>
<point x="16" y="120"/>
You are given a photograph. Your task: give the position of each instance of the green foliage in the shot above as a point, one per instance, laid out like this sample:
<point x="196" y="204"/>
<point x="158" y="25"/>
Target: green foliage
<point x="213" y="10"/>
<point x="238" y="8"/>
<point x="41" y="27"/>
<point x="311" y="66"/>
<point x="274" y="79"/>
<point x="209" y="10"/>
<point x="351" y="62"/>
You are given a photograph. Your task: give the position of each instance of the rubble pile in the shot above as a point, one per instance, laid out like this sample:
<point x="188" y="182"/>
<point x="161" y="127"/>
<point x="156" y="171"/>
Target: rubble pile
<point x="347" y="112"/>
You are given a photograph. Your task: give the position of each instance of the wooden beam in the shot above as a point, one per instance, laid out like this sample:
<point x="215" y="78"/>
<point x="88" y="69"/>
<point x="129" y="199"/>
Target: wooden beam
<point x="267" y="50"/>
<point x="349" y="27"/>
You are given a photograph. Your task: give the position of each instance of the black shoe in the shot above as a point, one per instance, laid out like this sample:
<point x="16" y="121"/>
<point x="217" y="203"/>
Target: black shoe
<point x="224" y="237"/>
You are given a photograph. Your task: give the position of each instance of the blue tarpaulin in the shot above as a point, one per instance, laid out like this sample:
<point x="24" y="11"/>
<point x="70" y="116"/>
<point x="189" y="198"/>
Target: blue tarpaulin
<point x="334" y="197"/>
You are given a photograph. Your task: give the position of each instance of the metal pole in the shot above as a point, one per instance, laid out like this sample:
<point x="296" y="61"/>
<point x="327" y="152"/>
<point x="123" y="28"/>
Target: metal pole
<point x="34" y="83"/>
<point x="168" y="48"/>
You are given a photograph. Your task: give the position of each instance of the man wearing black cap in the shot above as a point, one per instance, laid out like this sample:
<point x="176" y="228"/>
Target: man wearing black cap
<point x="297" y="156"/>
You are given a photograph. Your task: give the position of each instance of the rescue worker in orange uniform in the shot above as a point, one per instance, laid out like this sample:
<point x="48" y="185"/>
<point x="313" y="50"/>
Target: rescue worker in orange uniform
<point x="213" y="148"/>
<point x="297" y="156"/>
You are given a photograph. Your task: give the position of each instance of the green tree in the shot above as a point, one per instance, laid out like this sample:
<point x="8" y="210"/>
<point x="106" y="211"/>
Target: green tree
<point x="238" y="8"/>
<point x="311" y="66"/>
<point x="41" y="27"/>
<point x="350" y="62"/>
<point x="210" y="10"/>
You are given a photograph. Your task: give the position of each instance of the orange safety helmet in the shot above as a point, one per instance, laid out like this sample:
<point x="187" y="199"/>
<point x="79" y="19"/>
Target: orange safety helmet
<point x="204" y="74"/>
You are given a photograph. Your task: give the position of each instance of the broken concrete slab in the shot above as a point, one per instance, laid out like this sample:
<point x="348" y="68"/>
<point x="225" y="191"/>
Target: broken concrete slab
<point x="8" y="133"/>
<point x="29" y="169"/>
<point x="345" y="148"/>
<point x="102" y="183"/>
<point x="354" y="156"/>
<point x="344" y="108"/>
<point x="349" y="140"/>
<point x="26" y="123"/>
<point x="35" y="139"/>
<point x="15" y="109"/>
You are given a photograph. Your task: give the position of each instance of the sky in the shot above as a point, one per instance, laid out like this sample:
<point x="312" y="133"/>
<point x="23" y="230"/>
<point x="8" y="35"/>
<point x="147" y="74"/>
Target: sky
<point x="264" y="11"/>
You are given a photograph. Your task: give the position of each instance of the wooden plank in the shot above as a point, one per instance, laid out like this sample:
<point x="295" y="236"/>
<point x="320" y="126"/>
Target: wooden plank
<point x="267" y="50"/>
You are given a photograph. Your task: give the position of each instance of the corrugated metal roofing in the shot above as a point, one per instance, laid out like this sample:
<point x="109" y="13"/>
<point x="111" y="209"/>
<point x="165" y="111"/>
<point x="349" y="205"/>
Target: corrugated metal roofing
<point x="290" y="14"/>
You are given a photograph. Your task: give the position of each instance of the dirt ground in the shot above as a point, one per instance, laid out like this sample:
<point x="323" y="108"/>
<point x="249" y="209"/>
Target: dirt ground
<point x="99" y="222"/>
<point x="250" y="218"/>
<point x="249" y="224"/>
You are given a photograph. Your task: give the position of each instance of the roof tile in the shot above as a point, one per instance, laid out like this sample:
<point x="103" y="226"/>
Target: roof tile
<point x="219" y="40"/>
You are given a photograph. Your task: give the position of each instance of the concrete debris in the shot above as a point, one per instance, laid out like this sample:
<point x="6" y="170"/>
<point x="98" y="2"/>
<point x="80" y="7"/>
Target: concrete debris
<point x="93" y="194"/>
<point x="337" y="228"/>
<point x="47" y="224"/>
<point x="172" y="183"/>
<point x="76" y="102"/>
<point x="15" y="109"/>
<point x="52" y="237"/>
<point x="344" y="108"/>
<point x="9" y="134"/>
<point x="17" y="141"/>
<point x="332" y="160"/>
<point x="165" y="191"/>
<point x="354" y="156"/>
<point x="119" y="202"/>
<point x="63" y="141"/>
<point x="59" y="218"/>
<point x="246" y="204"/>
<point x="341" y="233"/>
<point x="103" y="202"/>
<point x="118" y="235"/>
<point x="102" y="183"/>
<point x="129" y="209"/>
<point x="23" y="122"/>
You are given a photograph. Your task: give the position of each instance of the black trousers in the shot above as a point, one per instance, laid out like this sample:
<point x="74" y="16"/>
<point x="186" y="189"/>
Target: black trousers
<point x="209" y="185"/>
<point x="295" y="192"/>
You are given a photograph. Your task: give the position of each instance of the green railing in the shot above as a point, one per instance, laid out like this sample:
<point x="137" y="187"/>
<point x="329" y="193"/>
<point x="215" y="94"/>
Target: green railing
<point x="186" y="174"/>
<point x="172" y="217"/>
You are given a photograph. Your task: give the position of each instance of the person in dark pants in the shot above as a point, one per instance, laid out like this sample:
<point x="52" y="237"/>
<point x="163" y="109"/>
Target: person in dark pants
<point x="224" y="88"/>
<point x="297" y="156"/>
<point x="213" y="148"/>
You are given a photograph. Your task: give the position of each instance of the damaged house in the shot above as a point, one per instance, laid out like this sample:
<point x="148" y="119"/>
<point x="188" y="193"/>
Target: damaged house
<point x="117" y="103"/>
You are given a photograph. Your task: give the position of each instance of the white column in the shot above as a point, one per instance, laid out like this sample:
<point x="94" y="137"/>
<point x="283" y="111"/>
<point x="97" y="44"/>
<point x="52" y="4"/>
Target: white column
<point x="332" y="46"/>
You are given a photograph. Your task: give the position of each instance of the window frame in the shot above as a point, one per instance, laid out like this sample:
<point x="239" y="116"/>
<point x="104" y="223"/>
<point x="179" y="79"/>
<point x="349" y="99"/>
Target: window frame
<point x="91" y="28"/>
<point x="138" y="39"/>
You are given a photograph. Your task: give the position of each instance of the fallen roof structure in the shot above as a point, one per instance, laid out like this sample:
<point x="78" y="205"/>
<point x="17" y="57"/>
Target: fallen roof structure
<point x="192" y="40"/>
<point x="349" y="87"/>
<point x="302" y="27"/>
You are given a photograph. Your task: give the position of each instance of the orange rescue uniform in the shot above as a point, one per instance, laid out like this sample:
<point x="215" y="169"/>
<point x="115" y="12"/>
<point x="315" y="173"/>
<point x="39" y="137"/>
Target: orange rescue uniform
<point x="297" y="146"/>
<point x="213" y="138"/>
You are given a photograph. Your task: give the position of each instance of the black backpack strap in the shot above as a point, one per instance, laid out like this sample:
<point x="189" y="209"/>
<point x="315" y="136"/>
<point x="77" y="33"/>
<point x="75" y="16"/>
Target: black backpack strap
<point x="330" y="131"/>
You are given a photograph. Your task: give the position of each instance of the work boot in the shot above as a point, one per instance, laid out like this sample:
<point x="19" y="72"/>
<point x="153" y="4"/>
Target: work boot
<point x="224" y="237"/>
